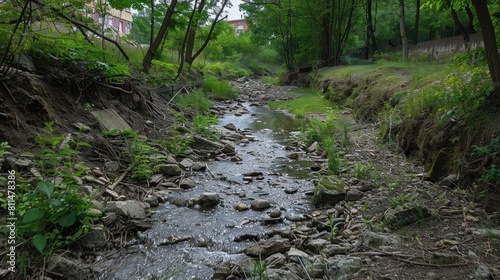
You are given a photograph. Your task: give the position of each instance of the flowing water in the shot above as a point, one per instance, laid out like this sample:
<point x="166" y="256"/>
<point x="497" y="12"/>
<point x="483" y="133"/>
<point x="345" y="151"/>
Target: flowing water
<point x="208" y="234"/>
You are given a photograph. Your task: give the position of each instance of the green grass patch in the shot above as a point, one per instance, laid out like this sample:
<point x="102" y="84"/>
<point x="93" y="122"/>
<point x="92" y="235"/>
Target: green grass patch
<point x="196" y="100"/>
<point x="219" y="89"/>
<point x="307" y="101"/>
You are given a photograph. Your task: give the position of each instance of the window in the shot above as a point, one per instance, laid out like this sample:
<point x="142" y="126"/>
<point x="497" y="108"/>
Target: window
<point x="127" y="28"/>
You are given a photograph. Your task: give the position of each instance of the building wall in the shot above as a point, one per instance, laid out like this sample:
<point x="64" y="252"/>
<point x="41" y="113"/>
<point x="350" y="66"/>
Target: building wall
<point x="240" y="25"/>
<point x="115" y="21"/>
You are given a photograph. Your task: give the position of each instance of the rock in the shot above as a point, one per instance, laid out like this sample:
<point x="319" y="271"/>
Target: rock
<point x="487" y="232"/>
<point x="208" y="199"/>
<point x="170" y="169"/>
<point x="315" y="167"/>
<point x="316" y="245"/>
<point x="230" y="126"/>
<point x="337" y="249"/>
<point x="242" y="206"/>
<point x="290" y="190"/>
<point x="205" y="144"/>
<point x="293" y="156"/>
<point x="96" y="237"/>
<point x="267" y="248"/>
<point x="296" y="253"/>
<point x="312" y="148"/>
<point x="112" y="166"/>
<point x="69" y="269"/>
<point x="275" y="213"/>
<point x="152" y="200"/>
<point x="186" y="183"/>
<point x="483" y="272"/>
<point x="197" y="166"/>
<point x="276" y="261"/>
<point x="444" y="258"/>
<point x="283" y="274"/>
<point x="354" y="195"/>
<point x="260" y="204"/>
<point x="405" y="215"/>
<point x="343" y="267"/>
<point x="375" y="240"/>
<point x="130" y="208"/>
<point x="109" y="219"/>
<point x="186" y="163"/>
<point x="247" y="236"/>
<point x="449" y="181"/>
<point x="81" y="127"/>
<point x="86" y="190"/>
<point x="295" y="217"/>
<point x="252" y="174"/>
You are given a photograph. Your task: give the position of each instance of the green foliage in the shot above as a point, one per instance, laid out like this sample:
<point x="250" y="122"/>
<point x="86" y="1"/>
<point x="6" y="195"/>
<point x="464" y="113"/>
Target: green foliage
<point x="4" y="146"/>
<point x="205" y="125"/>
<point x="225" y="70"/>
<point x="195" y="100"/>
<point x="144" y="157"/>
<point x="305" y="101"/>
<point x="492" y="150"/>
<point x="177" y="144"/>
<point x="219" y="90"/>
<point x="54" y="214"/>
<point x="362" y="171"/>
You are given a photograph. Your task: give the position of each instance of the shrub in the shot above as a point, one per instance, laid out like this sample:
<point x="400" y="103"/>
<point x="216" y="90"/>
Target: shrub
<point x="219" y="90"/>
<point x="196" y="100"/>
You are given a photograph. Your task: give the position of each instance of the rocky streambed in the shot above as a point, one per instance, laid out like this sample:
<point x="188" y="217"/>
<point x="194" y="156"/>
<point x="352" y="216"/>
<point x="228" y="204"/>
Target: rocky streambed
<point x="265" y="209"/>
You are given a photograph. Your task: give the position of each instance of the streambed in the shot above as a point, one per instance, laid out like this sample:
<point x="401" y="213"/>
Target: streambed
<point x="186" y="242"/>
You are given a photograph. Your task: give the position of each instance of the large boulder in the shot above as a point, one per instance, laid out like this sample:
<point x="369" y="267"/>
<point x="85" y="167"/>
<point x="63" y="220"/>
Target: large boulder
<point x="130" y="208"/>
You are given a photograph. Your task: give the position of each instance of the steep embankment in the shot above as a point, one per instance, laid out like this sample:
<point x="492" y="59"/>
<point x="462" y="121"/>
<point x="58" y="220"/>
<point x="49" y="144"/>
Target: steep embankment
<point x="438" y="114"/>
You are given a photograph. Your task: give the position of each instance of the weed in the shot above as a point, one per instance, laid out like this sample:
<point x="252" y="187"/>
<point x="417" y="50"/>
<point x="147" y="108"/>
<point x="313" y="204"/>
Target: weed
<point x="4" y="146"/>
<point x="177" y="144"/>
<point x="53" y="215"/>
<point x="219" y="90"/>
<point x="204" y="125"/>
<point x="144" y="157"/>
<point x="361" y="171"/>
<point x="196" y="100"/>
<point x="401" y="199"/>
<point x="260" y="269"/>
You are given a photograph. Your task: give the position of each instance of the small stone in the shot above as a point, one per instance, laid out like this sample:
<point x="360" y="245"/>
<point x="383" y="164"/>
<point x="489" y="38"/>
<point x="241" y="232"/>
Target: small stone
<point x="354" y="195"/>
<point x="275" y="213"/>
<point x="483" y="272"/>
<point x="81" y="127"/>
<point x="186" y="183"/>
<point x="242" y="206"/>
<point x="260" y="204"/>
<point x="208" y="199"/>
<point x="197" y="166"/>
<point x="230" y="126"/>
<point x="112" y="166"/>
<point x="170" y="169"/>
<point x="293" y="156"/>
<point x="290" y="190"/>
<point x="294" y="217"/>
<point x="267" y="248"/>
<point x="186" y="163"/>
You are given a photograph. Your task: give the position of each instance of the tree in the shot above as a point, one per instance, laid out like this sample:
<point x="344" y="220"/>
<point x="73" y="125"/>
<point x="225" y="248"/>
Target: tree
<point x="489" y="37"/>
<point x="402" y="28"/>
<point x="370" y="30"/>
<point x="153" y="48"/>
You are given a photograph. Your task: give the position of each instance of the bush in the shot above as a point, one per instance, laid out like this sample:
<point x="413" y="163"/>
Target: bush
<point x="196" y="100"/>
<point x="219" y="90"/>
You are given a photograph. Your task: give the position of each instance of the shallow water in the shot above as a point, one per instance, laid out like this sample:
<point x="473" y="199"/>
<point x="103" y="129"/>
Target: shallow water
<point x="209" y="233"/>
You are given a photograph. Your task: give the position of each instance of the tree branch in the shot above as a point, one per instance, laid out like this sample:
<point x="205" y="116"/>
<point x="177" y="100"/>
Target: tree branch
<point x="81" y="26"/>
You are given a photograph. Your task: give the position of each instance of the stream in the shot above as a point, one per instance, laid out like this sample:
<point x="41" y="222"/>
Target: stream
<point x="187" y="242"/>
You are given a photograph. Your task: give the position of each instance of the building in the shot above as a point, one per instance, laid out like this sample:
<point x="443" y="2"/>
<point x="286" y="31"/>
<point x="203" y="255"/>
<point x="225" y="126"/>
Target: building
<point x="240" y="25"/>
<point x="115" y="21"/>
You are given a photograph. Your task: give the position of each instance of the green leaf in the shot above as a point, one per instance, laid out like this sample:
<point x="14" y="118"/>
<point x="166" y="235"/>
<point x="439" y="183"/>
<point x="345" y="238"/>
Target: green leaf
<point x="33" y="214"/>
<point x="67" y="220"/>
<point x="39" y="241"/>
<point x="55" y="202"/>
<point x="46" y="187"/>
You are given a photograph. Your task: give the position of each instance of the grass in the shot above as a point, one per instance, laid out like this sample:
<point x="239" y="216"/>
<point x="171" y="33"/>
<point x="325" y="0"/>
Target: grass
<point x="306" y="101"/>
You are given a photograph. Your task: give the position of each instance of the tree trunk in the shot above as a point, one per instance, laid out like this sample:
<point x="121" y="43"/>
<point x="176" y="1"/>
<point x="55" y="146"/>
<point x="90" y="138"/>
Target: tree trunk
<point x="146" y="63"/>
<point x="190" y="40"/>
<point x="460" y="26"/>
<point x="404" y="39"/>
<point x="417" y="23"/>
<point x="470" y="25"/>
<point x="490" y="46"/>
<point x="370" y="31"/>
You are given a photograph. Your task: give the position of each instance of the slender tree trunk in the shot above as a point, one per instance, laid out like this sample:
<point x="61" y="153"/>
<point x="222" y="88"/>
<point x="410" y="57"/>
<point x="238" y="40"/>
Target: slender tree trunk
<point x="417" y="23"/>
<point x="192" y="35"/>
<point x="146" y="63"/>
<point x="470" y="24"/>
<point x="371" y="29"/>
<point x="152" y="34"/>
<point x="404" y="39"/>
<point x="490" y="46"/>
<point x="460" y="26"/>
